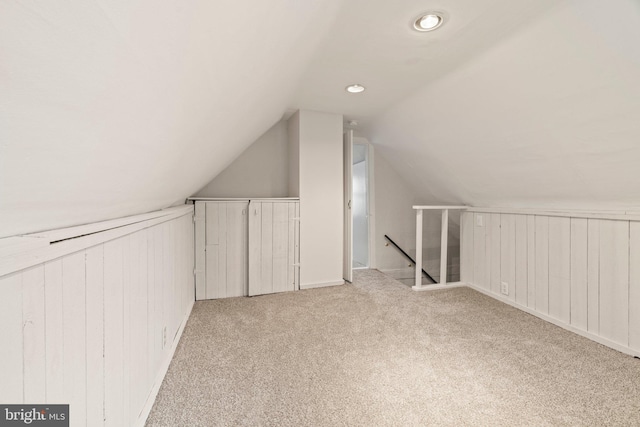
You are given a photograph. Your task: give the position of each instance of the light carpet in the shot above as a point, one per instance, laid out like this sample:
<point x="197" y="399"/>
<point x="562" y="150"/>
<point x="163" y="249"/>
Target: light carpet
<point x="376" y="353"/>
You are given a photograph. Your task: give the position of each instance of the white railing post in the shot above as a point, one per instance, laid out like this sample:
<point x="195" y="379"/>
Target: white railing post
<point x="444" y="245"/>
<point x="444" y="237"/>
<point x="418" y="283"/>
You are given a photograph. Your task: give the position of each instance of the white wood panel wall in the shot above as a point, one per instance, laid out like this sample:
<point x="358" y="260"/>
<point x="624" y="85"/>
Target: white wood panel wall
<point x="221" y="249"/>
<point x="577" y="272"/>
<point x="273" y="247"/>
<point x="97" y="328"/>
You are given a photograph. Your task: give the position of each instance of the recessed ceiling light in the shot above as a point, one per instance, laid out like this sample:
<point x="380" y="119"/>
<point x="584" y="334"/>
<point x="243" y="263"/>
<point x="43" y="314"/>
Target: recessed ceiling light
<point x="428" y="21"/>
<point x="355" y="88"/>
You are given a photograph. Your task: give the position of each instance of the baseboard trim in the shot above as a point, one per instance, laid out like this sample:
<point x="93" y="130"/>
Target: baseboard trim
<point x="320" y="285"/>
<point x="608" y="343"/>
<point x="164" y="368"/>
<point x="438" y="287"/>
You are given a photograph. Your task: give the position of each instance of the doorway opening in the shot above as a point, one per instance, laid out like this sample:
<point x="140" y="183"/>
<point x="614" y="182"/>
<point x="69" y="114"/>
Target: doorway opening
<point x="360" y="206"/>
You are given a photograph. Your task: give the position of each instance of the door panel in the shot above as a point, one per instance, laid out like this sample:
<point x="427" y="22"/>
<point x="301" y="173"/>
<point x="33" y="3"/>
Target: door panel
<point x="273" y="247"/>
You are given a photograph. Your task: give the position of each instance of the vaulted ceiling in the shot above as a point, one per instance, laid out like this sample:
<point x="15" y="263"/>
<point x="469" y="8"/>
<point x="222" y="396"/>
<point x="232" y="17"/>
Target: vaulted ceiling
<point x="111" y="108"/>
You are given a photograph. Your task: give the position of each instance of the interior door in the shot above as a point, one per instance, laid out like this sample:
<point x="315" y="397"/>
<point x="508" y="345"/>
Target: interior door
<point x="348" y="214"/>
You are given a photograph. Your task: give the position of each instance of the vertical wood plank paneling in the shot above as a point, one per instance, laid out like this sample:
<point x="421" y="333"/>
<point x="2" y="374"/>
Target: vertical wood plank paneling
<point x="151" y="307"/>
<point x="11" y="356"/>
<point x="467" y="247"/>
<point x="191" y="240"/>
<point x="33" y="321"/>
<point x="213" y="287"/>
<point x="280" y="247"/>
<point x="267" y="248"/>
<point x="213" y="210"/>
<point x="179" y="270"/>
<point x="138" y="316"/>
<point x="159" y="296"/>
<point x="495" y="253"/>
<point x="167" y="291"/>
<point x="255" y="248"/>
<point x="614" y="281"/>
<point x="113" y="330"/>
<point x="127" y="273"/>
<point x="488" y="219"/>
<point x="95" y="335"/>
<point x="223" y="239"/>
<point x="73" y="301"/>
<point x="593" y="275"/>
<point x="481" y="262"/>
<point x="560" y="268"/>
<point x="508" y="253"/>
<point x="579" y="281"/>
<point x="522" y="270"/>
<point x="200" y="249"/>
<point x="531" y="261"/>
<point x="82" y="329"/>
<point x="177" y="292"/>
<point x="542" y="264"/>
<point x="297" y="246"/>
<point x="236" y="257"/>
<point x="291" y="279"/>
<point x="634" y="286"/>
<point x="54" y="332"/>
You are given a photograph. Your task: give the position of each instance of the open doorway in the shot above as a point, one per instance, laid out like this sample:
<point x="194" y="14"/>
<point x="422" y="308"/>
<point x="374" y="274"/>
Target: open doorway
<point x="360" y="206"/>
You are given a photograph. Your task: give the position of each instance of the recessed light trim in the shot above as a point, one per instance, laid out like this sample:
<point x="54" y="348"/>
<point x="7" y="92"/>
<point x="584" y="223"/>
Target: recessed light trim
<point x="428" y="21"/>
<point x="355" y="88"/>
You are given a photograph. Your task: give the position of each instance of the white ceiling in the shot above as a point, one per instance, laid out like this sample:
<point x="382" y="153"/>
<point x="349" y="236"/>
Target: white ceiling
<point x="547" y="118"/>
<point x="373" y="43"/>
<point x="111" y="108"/>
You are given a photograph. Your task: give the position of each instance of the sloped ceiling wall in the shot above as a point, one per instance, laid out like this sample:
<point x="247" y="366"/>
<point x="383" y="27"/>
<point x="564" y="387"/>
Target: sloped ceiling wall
<point x="549" y="117"/>
<point x="116" y="107"/>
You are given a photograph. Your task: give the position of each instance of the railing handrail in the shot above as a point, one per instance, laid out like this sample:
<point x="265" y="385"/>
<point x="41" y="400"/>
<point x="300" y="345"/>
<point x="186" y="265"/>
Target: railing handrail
<point x="409" y="258"/>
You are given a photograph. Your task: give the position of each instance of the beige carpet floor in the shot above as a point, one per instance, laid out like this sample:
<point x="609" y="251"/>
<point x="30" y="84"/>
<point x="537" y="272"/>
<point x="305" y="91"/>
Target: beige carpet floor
<point x="375" y="353"/>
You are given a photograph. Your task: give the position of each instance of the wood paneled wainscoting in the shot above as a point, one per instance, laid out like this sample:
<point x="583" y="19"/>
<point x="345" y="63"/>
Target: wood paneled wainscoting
<point x="93" y="320"/>
<point x="577" y="270"/>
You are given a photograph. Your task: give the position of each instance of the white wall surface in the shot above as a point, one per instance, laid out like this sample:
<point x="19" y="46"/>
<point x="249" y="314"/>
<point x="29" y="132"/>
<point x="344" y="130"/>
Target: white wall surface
<point x="113" y="108"/>
<point x="579" y="271"/>
<point x="321" y="198"/>
<point x="544" y="118"/>
<point x="262" y="170"/>
<point x="293" y="134"/>
<point x="87" y="328"/>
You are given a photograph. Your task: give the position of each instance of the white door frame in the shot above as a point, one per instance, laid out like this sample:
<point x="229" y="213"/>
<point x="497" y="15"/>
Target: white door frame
<point x="347" y="260"/>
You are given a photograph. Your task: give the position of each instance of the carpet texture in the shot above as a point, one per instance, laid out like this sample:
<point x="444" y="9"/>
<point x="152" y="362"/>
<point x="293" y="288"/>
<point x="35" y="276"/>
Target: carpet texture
<point x="376" y="353"/>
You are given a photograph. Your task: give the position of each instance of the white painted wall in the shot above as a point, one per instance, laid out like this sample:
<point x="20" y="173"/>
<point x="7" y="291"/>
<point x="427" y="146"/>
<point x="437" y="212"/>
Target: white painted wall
<point x="114" y="108"/>
<point x="577" y="270"/>
<point x="87" y="328"/>
<point x="544" y="118"/>
<point x="293" y="134"/>
<point x="262" y="170"/>
<point x="321" y="203"/>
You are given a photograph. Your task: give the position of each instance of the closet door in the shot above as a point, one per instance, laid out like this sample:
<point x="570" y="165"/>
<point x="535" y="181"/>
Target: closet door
<point x="226" y="249"/>
<point x="273" y="247"/>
